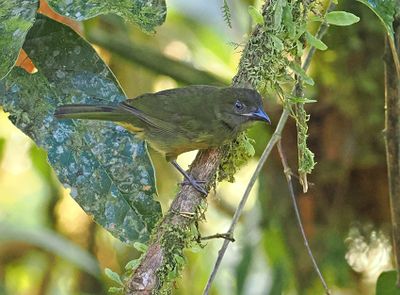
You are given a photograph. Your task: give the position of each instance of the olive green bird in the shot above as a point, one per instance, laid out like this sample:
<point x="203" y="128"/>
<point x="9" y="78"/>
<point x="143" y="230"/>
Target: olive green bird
<point x="179" y="120"/>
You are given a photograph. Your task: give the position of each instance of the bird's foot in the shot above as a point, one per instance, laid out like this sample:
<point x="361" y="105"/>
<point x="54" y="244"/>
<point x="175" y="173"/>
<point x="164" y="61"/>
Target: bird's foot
<point x="189" y="180"/>
<point x="197" y="184"/>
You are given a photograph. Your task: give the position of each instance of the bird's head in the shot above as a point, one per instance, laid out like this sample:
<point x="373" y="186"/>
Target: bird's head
<point x="239" y="106"/>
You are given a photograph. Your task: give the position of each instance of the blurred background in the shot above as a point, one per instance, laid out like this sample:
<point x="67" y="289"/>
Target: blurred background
<point x="49" y="246"/>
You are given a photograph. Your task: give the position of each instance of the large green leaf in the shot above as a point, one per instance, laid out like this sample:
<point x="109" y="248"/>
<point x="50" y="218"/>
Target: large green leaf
<point x="146" y="13"/>
<point x="384" y="10"/>
<point x="386" y="284"/>
<point x="52" y="242"/>
<point x="2" y="145"/>
<point x="108" y="171"/>
<point x="16" y="18"/>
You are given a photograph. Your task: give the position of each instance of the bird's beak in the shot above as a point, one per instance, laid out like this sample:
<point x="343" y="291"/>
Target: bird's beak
<point x="259" y="115"/>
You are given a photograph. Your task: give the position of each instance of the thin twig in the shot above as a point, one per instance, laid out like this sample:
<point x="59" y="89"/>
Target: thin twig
<point x="394" y="55"/>
<point x="287" y="171"/>
<point x="274" y="139"/>
<point x="226" y="236"/>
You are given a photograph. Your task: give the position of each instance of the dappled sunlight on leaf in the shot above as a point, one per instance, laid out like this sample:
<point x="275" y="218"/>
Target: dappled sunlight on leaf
<point x="107" y="170"/>
<point x="16" y="18"/>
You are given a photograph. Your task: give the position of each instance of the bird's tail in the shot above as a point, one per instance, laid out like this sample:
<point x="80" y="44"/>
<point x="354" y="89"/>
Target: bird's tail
<point x="90" y="112"/>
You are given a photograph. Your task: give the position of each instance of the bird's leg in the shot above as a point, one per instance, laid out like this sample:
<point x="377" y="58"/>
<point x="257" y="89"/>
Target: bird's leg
<point x="190" y="180"/>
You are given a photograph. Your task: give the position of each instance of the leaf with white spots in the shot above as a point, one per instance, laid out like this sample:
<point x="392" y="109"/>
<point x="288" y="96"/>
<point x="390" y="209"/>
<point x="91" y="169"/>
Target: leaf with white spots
<point x="16" y="18"/>
<point x="146" y="13"/>
<point x="106" y="168"/>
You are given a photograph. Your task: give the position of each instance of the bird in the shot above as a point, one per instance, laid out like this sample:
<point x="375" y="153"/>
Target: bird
<point x="179" y="120"/>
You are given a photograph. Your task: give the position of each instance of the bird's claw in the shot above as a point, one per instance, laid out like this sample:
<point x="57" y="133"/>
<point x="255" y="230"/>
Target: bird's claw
<point x="196" y="184"/>
<point x="186" y="182"/>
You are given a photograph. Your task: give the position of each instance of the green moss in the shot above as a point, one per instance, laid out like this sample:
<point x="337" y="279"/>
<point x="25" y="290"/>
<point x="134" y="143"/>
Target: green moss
<point x="270" y="61"/>
<point x="238" y="152"/>
<point x="176" y="239"/>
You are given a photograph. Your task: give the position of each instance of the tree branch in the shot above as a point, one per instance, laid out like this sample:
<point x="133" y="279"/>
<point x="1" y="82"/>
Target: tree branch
<point x="181" y="214"/>
<point x="173" y="231"/>
<point x="152" y="59"/>
<point x="392" y="139"/>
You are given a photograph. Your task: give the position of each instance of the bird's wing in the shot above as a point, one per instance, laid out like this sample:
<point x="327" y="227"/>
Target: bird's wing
<point x="175" y="110"/>
<point x="148" y="119"/>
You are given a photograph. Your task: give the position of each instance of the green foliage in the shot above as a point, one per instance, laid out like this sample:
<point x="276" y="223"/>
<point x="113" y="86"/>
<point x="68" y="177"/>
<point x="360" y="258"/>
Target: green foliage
<point x="227" y="13"/>
<point x="274" y="46"/>
<point x="132" y="264"/>
<point x="116" y="290"/>
<point x="387" y="283"/>
<point x="140" y="247"/>
<point x="317" y="43"/>
<point x="237" y="153"/>
<point x="177" y="238"/>
<point x="299" y="71"/>
<point x="341" y="18"/>
<point x="385" y="11"/>
<point x="108" y="171"/>
<point x="146" y="13"/>
<point x="53" y="243"/>
<point x="305" y="155"/>
<point x="255" y="15"/>
<point x="113" y="276"/>
<point x="16" y="18"/>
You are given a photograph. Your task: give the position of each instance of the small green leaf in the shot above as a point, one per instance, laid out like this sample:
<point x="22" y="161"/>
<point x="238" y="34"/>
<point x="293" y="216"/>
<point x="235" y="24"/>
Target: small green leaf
<point x="227" y="13"/>
<point x="385" y="11"/>
<point x="133" y="264"/>
<point x="317" y="43"/>
<point x="180" y="260"/>
<point x="278" y="12"/>
<point x="255" y="15"/>
<point x="278" y="44"/>
<point x="288" y="21"/>
<point x="116" y="290"/>
<point x="299" y="71"/>
<point x="173" y="274"/>
<point x="16" y="18"/>
<point x="315" y="18"/>
<point x="341" y="18"/>
<point x="113" y="276"/>
<point x="301" y="100"/>
<point x="386" y="284"/>
<point x="140" y="247"/>
<point x="146" y="13"/>
<point x="299" y="48"/>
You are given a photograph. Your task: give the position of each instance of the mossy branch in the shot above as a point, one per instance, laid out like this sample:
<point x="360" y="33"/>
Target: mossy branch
<point x="264" y="63"/>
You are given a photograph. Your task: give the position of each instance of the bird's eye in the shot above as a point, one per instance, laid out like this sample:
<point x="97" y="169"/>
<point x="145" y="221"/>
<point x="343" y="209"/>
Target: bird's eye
<point x="238" y="105"/>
